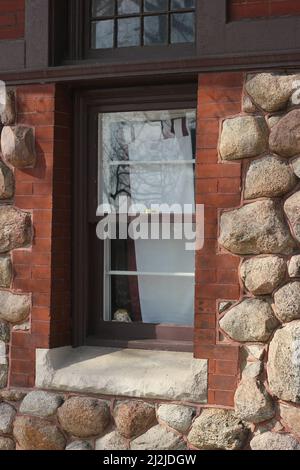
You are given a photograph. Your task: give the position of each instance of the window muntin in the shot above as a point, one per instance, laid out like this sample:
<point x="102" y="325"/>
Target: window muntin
<point x="129" y="23"/>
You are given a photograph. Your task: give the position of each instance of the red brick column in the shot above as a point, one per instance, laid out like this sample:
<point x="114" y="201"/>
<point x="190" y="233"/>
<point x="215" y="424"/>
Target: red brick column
<point x="246" y="9"/>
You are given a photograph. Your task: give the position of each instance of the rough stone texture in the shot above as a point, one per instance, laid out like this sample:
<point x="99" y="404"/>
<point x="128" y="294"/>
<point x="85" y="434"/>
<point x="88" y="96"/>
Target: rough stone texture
<point x="8" y="115"/>
<point x="252" y="320"/>
<point x="15" y="228"/>
<point x="12" y="395"/>
<point x="14" y="308"/>
<point x="225" y="305"/>
<point x="243" y="137"/>
<point x="18" y="146"/>
<point x="6" y="443"/>
<point x="283" y="363"/>
<point x="176" y="416"/>
<point x="111" y="441"/>
<point x="218" y="430"/>
<point x="3" y="375"/>
<point x="252" y="370"/>
<point x="157" y="438"/>
<point x="269" y="177"/>
<point x="285" y="136"/>
<point x="33" y="433"/>
<point x="3" y="357"/>
<point x="287" y="302"/>
<point x="5" y="271"/>
<point x="290" y="416"/>
<point x="133" y="418"/>
<point x="7" y="416"/>
<point x="292" y="210"/>
<point x="262" y="275"/>
<point x="274" y="441"/>
<point x="4" y="331"/>
<point x="39" y="403"/>
<point x="84" y="417"/>
<point x="79" y="445"/>
<point x="273" y="120"/>
<point x="296" y="166"/>
<point x="269" y="91"/>
<point x="294" y="266"/>
<point x="256" y="228"/>
<point x="257" y="351"/>
<point x="247" y="105"/>
<point x="22" y="326"/>
<point x="6" y="182"/>
<point x="252" y="402"/>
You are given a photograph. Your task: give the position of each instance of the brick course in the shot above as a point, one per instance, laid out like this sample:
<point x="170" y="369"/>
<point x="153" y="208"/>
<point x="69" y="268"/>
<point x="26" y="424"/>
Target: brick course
<point x="247" y="9"/>
<point x="12" y="19"/>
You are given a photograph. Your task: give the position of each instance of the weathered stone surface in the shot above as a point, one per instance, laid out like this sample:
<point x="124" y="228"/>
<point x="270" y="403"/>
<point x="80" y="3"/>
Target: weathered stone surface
<point x="158" y="438"/>
<point x="252" y="402"/>
<point x="262" y="275"/>
<point x="218" y="430"/>
<point x="247" y="105"/>
<point x="8" y="115"/>
<point x="3" y="357"/>
<point x="84" y="417"/>
<point x="112" y="441"/>
<point x="6" y="443"/>
<point x="243" y="137"/>
<point x="225" y="305"/>
<point x="292" y="210"/>
<point x="33" y="433"/>
<point x="4" y="331"/>
<point x="294" y="266"/>
<point x="273" y="120"/>
<point x="79" y="445"/>
<point x="12" y="395"/>
<point x="269" y="91"/>
<point x="177" y="417"/>
<point x="296" y="166"/>
<point x="274" y="441"/>
<point x="287" y="302"/>
<point x="18" y="146"/>
<point x="133" y="418"/>
<point x="3" y="375"/>
<point x="257" y="351"/>
<point x="269" y="177"/>
<point x="7" y="416"/>
<point x="5" y="271"/>
<point x="14" y="308"/>
<point x="15" y="228"/>
<point x="39" y="403"/>
<point x="290" y="416"/>
<point x="252" y="370"/>
<point x="285" y="136"/>
<point x="252" y="320"/>
<point x="283" y="363"/>
<point x="25" y="326"/>
<point x="256" y="228"/>
<point x="6" y="182"/>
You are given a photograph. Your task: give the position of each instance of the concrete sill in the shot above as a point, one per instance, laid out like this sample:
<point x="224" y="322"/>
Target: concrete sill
<point x="164" y="375"/>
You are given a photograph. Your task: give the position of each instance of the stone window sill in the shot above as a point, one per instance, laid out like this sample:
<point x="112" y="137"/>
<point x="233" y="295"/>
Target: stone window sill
<point x="136" y="373"/>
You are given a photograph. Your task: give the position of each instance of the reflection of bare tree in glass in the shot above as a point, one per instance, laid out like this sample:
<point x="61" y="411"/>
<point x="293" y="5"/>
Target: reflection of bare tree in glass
<point x="103" y="7"/>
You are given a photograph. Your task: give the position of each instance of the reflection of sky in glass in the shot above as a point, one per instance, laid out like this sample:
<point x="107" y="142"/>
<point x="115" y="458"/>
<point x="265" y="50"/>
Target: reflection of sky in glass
<point x="103" y="34"/>
<point x="103" y="8"/>
<point x="126" y="7"/>
<point x="155" y="5"/>
<point x="156" y="29"/>
<point x="129" y="32"/>
<point x="182" y="28"/>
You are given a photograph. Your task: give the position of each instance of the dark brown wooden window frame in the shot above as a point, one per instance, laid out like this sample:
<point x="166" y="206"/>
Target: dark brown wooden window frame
<point x="88" y="327"/>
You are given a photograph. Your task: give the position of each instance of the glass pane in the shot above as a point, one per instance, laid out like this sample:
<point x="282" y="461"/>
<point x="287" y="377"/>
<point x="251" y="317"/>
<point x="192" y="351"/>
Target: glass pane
<point x="182" y="28"/>
<point x="129" y="32"/>
<point x="155" y="30"/>
<point x="102" y="34"/>
<point x="177" y="4"/>
<point x="155" y="5"/>
<point x="126" y="7"/>
<point x="103" y="7"/>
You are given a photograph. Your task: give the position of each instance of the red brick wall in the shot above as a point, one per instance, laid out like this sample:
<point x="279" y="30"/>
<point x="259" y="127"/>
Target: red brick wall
<point x="241" y="9"/>
<point x="12" y="19"/>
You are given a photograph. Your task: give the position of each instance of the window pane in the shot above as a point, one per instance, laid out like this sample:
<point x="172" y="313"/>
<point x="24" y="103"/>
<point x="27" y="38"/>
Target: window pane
<point x="126" y="7"/>
<point x="182" y="28"/>
<point x="129" y="32"/>
<point x="177" y="4"/>
<point x="155" y="5"/>
<point x="155" y="30"/>
<point x="103" y="7"/>
<point x="102" y="34"/>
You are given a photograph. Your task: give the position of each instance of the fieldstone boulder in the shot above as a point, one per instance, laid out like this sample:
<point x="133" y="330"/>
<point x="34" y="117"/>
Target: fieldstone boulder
<point x="15" y="228"/>
<point x="3" y="375"/>
<point x="158" y="438"/>
<point x="287" y="302"/>
<point x="111" y="441"/>
<point x="4" y="331"/>
<point x="290" y="417"/>
<point x="33" y="433"/>
<point x="273" y="120"/>
<point x="7" y="416"/>
<point x="292" y="210"/>
<point x="284" y="363"/>
<point x="247" y="105"/>
<point x="262" y="275"/>
<point x="285" y="136"/>
<point x="6" y="443"/>
<point x="218" y="430"/>
<point x="84" y="417"/>
<point x="252" y="370"/>
<point x="18" y="146"/>
<point x="5" y="271"/>
<point x="177" y="417"/>
<point x="252" y="402"/>
<point x="296" y="166"/>
<point x="243" y="137"/>
<point x="3" y="357"/>
<point x="269" y="177"/>
<point x="8" y="114"/>
<point x="133" y="418"/>
<point x="269" y="91"/>
<point x="79" y="445"/>
<point x="256" y="228"/>
<point x="274" y="441"/>
<point x="12" y="395"/>
<point x="252" y="320"/>
<point x="257" y="351"/>
<point x="294" y="266"/>
<point x="14" y="308"/>
<point x="6" y="182"/>
<point x="39" y="403"/>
